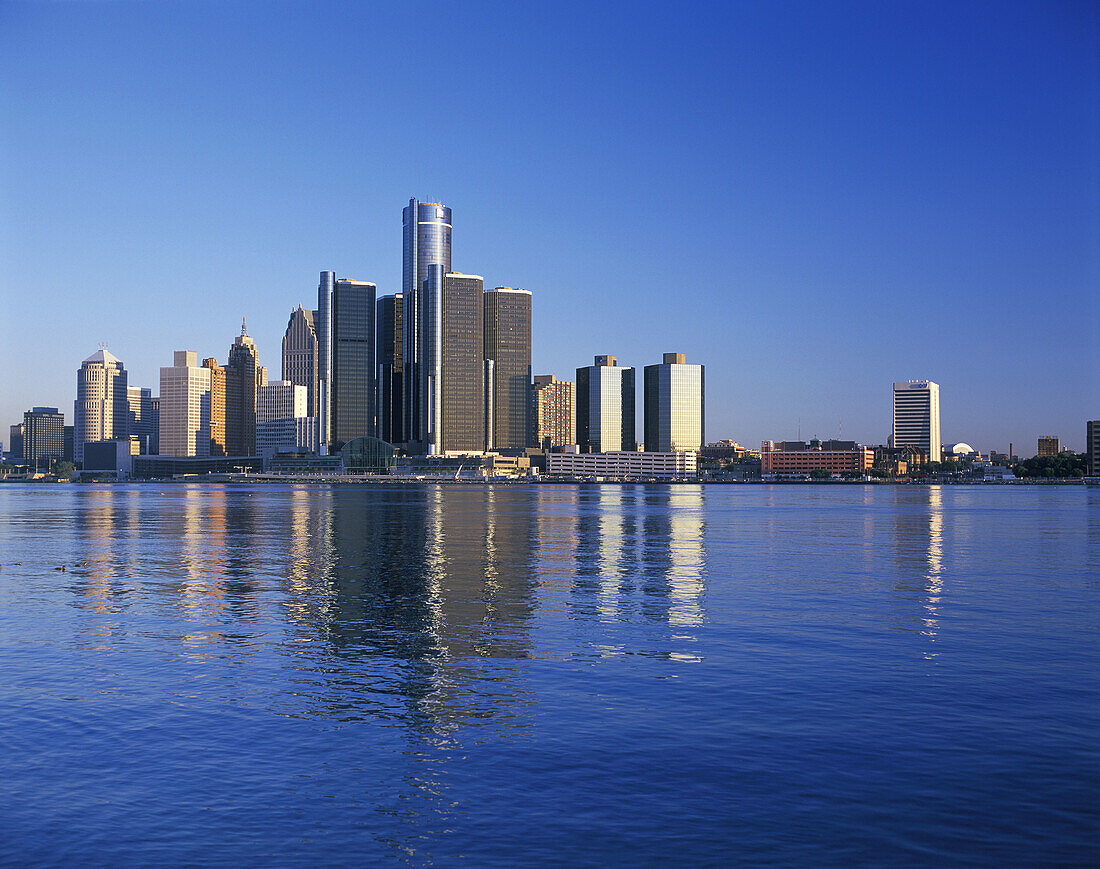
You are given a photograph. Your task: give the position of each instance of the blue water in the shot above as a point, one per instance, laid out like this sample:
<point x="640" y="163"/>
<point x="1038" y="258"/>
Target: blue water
<point x="564" y="675"/>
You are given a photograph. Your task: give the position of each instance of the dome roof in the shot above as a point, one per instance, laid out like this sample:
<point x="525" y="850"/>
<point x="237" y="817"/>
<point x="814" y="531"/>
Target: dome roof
<point x="961" y="449"/>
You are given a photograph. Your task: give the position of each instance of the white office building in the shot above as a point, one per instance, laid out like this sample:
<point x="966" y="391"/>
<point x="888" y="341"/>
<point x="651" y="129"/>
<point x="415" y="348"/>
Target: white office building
<point x="621" y="463"/>
<point x="917" y="417"/>
<point x="185" y="407"/>
<point x="102" y="409"/>
<point x="281" y="399"/>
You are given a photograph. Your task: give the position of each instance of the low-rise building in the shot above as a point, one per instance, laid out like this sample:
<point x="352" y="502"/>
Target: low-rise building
<point x="622" y="463"/>
<point x="797" y="458"/>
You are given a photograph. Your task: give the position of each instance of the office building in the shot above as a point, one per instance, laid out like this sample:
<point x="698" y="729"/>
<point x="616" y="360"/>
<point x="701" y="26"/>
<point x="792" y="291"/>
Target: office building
<point x="461" y="401"/>
<point x="426" y="241"/>
<point x="390" y="353"/>
<point x="219" y="444"/>
<point x="1047" y="446"/>
<point x="15" y="441"/>
<point x="43" y="437"/>
<point x="67" y="446"/>
<point x="281" y="399"/>
<point x="243" y="376"/>
<point x="605" y="407"/>
<point x="553" y="411"/>
<point x="917" y="417"/>
<point x="296" y="435"/>
<point x="154" y="423"/>
<point x="798" y="458"/>
<point x="1092" y="447"/>
<point x="622" y="463"/>
<point x="301" y="354"/>
<point x="184" y="407"/>
<point x="674" y="412"/>
<point x="102" y="408"/>
<point x="352" y="390"/>
<point x="142" y="424"/>
<point x="508" y="368"/>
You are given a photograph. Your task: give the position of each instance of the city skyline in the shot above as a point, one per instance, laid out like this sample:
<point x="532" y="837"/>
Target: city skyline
<point x="913" y="199"/>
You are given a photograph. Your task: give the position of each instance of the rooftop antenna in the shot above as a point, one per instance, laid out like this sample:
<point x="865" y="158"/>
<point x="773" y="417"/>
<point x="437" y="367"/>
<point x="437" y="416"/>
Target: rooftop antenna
<point x="244" y="331"/>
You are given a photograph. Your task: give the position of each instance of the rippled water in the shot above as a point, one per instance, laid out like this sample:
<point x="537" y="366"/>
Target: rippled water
<point x="572" y="675"/>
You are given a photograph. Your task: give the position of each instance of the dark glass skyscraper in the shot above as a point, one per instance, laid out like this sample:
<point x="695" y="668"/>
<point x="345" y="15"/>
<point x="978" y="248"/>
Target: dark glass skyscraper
<point x="507" y="343"/>
<point x="353" y="386"/>
<point x="426" y="241"/>
<point x="389" y="351"/>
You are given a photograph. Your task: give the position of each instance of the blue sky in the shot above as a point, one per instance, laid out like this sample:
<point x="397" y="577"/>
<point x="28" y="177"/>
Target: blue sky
<point x="813" y="199"/>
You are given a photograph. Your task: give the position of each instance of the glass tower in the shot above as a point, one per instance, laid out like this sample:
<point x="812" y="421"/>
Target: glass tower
<point x="674" y="405"/>
<point x="605" y="407"/>
<point x="508" y="345"/>
<point x="389" y="351"/>
<point x="352" y="375"/>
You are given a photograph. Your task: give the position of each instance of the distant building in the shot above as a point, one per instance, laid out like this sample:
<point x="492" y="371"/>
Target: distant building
<point x="143" y="424"/>
<point x="67" y="446"/>
<point x="345" y="371"/>
<point x="621" y="463"/>
<point x="1092" y="447"/>
<point x="674" y="411"/>
<point x="243" y="376"/>
<point x="796" y="457"/>
<point x="554" y="411"/>
<point x="184" y="407"/>
<point x="15" y="441"/>
<point x="43" y="436"/>
<point x="1047" y="446"/>
<point x="899" y="460"/>
<point x="508" y="367"/>
<point x="300" y="354"/>
<point x="297" y="435"/>
<point x="281" y="399"/>
<point x="219" y="444"/>
<point x="917" y="417"/>
<point x="102" y="409"/>
<point x="388" y="350"/>
<point x="605" y="407"/>
<point x="154" y="440"/>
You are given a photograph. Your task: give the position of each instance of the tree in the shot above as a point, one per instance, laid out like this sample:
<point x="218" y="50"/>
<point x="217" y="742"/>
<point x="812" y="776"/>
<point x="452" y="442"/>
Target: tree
<point x="819" y="474"/>
<point x="62" y="470"/>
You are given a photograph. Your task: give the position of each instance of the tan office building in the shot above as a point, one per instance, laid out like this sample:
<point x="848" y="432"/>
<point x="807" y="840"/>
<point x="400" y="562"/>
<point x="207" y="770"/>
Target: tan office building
<point x="185" y="407"/>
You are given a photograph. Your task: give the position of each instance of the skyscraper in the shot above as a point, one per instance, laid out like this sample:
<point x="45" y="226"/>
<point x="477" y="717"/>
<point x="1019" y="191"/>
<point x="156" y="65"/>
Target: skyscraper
<point x="389" y="351"/>
<point x="508" y="346"/>
<point x="243" y="375"/>
<point x="142" y="424"/>
<point x="463" y="398"/>
<point x="917" y="417"/>
<point x="102" y="408"/>
<point x="352" y="392"/>
<point x="301" y="354"/>
<point x="43" y="436"/>
<point x="426" y="241"/>
<point x="219" y="445"/>
<point x="554" y="411"/>
<point x="605" y="407"/>
<point x="674" y="405"/>
<point x="185" y="407"/>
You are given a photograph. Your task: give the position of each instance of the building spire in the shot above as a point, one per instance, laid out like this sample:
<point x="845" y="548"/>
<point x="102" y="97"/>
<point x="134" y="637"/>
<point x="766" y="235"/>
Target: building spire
<point x="244" y="331"/>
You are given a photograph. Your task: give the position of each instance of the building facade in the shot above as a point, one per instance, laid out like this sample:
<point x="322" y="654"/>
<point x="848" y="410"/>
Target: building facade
<point x="507" y="346"/>
<point x="390" y="354"/>
<point x="300" y="354"/>
<point x="462" y="410"/>
<point x="43" y="437"/>
<point x="15" y="441"/>
<point x="219" y="445"/>
<point x="243" y="376"/>
<point x="1092" y="446"/>
<point x="184" y="407"/>
<point x="917" y="417"/>
<point x="553" y="411"/>
<point x="287" y="435"/>
<point x="102" y="407"/>
<point x="426" y="241"/>
<point x="836" y="457"/>
<point x="605" y="407"/>
<point x="281" y="399"/>
<point x="1047" y="446"/>
<point x="352" y="393"/>
<point x="622" y="463"/>
<point x="142" y="424"/>
<point x="674" y="412"/>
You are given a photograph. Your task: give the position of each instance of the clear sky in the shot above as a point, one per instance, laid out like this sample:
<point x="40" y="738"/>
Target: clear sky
<point x="813" y="199"/>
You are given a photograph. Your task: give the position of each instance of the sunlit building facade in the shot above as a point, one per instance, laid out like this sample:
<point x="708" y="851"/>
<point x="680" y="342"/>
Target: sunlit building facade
<point x="507" y="344"/>
<point x="553" y="411"/>
<point x="184" y="407"/>
<point x="218" y="443"/>
<point x="102" y="407"/>
<point x="43" y="436"/>
<point x="916" y="418"/>
<point x="300" y="354"/>
<point x="605" y="407"/>
<point x="674" y="405"/>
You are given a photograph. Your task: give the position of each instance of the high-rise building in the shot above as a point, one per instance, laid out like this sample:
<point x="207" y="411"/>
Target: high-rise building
<point x="605" y="407"/>
<point x="102" y="408"/>
<point x="142" y="424"/>
<point x="554" y="411"/>
<point x="353" y="385"/>
<point x="917" y="417"/>
<point x="508" y="346"/>
<point x="243" y="376"/>
<point x="462" y="397"/>
<point x="154" y="440"/>
<point x="184" y="407"/>
<point x="43" y="436"/>
<point x="281" y="399"/>
<point x="15" y="441"/>
<point x="390" y="354"/>
<point x="219" y="445"/>
<point x="1047" y="446"/>
<point x="67" y="446"/>
<point x="301" y="354"/>
<point x="426" y="241"/>
<point x="1092" y="447"/>
<point x="674" y="413"/>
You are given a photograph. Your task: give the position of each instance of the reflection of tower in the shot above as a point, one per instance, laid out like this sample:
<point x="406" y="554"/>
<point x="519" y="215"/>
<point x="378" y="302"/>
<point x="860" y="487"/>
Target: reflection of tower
<point x="685" y="547"/>
<point x="919" y="546"/>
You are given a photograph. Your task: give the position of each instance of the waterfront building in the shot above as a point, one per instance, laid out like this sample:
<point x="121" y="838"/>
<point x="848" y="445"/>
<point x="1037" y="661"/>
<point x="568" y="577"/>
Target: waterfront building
<point x="352" y="391"/>
<point x="15" y="441"/>
<point x="141" y="422"/>
<point x="507" y="351"/>
<point x="43" y="436"/>
<point x="605" y="407"/>
<point x="298" y="435"/>
<point x="1092" y="446"/>
<point x="219" y="445"/>
<point x="622" y="463"/>
<point x="389" y="351"/>
<point x="301" y="354"/>
<point x="674" y="412"/>
<point x="67" y="445"/>
<point x="102" y="409"/>
<point x="154" y="424"/>
<point x="796" y="457"/>
<point x="553" y="411"/>
<point x="1047" y="446"/>
<point x="281" y="399"/>
<point x="184" y="407"/>
<point x="243" y="376"/>
<point x="916" y="418"/>
<point x="462" y="398"/>
<point x="426" y="241"/>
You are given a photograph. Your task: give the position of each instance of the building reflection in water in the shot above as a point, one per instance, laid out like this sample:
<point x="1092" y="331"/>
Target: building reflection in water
<point x="919" y="553"/>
